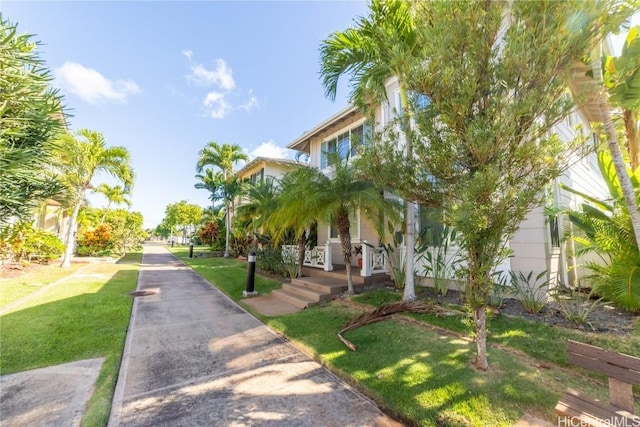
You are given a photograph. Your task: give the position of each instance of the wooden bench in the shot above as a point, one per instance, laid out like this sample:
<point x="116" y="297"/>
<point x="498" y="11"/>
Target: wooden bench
<point x="623" y="371"/>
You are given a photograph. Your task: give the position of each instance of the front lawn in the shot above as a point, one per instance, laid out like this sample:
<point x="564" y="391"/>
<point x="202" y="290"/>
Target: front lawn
<point x="419" y="366"/>
<point x="83" y="318"/>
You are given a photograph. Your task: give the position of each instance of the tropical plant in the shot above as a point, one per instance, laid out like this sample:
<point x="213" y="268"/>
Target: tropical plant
<point x="603" y="227"/>
<point x="224" y="157"/>
<point x="484" y="148"/>
<point x="576" y="305"/>
<point x="260" y="200"/>
<point x="23" y="242"/>
<point x="376" y="48"/>
<point x="434" y="249"/>
<point x="532" y="292"/>
<point x="96" y="242"/>
<point x="116" y="194"/>
<point x="30" y="118"/>
<point x="209" y="233"/>
<point x="626" y="93"/>
<point x="80" y="158"/>
<point x="621" y="75"/>
<point x="333" y="200"/>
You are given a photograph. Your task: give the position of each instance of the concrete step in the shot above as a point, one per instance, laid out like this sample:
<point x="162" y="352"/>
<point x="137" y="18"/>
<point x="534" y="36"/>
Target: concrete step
<point x="305" y="292"/>
<point x="328" y="285"/>
<point x="338" y="274"/>
<point x="292" y="298"/>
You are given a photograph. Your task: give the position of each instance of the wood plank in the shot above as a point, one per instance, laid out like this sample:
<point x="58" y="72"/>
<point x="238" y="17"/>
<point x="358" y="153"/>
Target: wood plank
<point x="613" y="357"/>
<point x="597" y="365"/>
<point x="588" y="411"/>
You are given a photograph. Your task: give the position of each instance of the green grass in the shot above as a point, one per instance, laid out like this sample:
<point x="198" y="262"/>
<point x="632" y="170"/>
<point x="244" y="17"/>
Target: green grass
<point x="86" y="318"/>
<point x="428" y="377"/>
<point x="35" y="278"/>
<point x="536" y="339"/>
<point x="227" y="274"/>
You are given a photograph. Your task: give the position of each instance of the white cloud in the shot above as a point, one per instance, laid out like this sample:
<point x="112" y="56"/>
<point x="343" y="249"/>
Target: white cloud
<point x="91" y="86"/>
<point x="269" y="149"/>
<point x="215" y="105"/>
<point x="221" y="76"/>
<point x="188" y="53"/>
<point x="251" y="103"/>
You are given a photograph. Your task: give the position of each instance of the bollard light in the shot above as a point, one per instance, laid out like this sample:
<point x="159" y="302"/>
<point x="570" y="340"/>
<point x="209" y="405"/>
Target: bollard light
<point x="251" y="276"/>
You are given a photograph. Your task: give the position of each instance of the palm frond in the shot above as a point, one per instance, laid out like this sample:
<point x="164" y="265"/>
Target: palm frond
<point x="389" y="309"/>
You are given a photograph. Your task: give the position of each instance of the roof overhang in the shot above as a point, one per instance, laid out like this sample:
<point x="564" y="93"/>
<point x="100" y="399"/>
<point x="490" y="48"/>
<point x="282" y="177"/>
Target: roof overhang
<point x="266" y="160"/>
<point x="302" y="143"/>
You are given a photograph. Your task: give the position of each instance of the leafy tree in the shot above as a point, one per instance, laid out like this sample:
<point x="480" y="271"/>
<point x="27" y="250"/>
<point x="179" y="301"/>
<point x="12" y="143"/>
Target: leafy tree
<point x="80" y="157"/>
<point x="603" y="227"/>
<point x="30" y="118"/>
<point x="183" y="216"/>
<point x="224" y="157"/>
<point x="209" y="232"/>
<point x="334" y="200"/>
<point x="115" y="195"/>
<point x="484" y="149"/>
<point x="376" y="48"/>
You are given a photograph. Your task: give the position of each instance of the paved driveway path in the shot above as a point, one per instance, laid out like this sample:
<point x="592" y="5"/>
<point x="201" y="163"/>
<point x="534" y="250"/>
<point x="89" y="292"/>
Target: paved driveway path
<point x="193" y="357"/>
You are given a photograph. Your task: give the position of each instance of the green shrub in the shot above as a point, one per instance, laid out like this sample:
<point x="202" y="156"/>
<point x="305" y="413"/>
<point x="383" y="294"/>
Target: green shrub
<point x="531" y="293"/>
<point x="22" y="242"/>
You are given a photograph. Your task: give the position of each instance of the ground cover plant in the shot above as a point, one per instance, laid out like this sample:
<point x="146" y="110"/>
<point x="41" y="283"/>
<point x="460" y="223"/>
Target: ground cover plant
<point x="419" y="367"/>
<point x="85" y="317"/>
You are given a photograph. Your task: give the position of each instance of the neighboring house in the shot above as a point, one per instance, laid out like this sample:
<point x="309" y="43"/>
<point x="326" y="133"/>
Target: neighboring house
<point x="260" y="169"/>
<point x="537" y="246"/>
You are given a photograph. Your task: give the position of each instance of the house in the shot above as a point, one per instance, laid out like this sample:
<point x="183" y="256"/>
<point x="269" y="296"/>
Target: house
<point x="537" y="245"/>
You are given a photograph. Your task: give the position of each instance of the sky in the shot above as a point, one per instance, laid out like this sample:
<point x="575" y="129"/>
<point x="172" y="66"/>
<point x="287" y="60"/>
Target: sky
<point x="165" y="78"/>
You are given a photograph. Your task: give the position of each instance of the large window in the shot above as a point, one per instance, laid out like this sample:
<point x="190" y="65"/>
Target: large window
<point x="345" y="144"/>
<point x="257" y="177"/>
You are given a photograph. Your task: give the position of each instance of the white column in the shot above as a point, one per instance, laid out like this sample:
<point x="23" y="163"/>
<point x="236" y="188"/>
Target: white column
<point x="365" y="271"/>
<point x="328" y="266"/>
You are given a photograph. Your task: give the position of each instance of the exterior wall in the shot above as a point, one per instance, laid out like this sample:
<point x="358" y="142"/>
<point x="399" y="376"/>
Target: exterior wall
<point x="315" y="145"/>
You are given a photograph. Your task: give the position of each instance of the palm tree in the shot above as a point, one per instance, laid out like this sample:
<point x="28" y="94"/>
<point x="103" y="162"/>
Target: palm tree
<point x="208" y="182"/>
<point x="260" y="202"/>
<point x="223" y="157"/>
<point x="115" y="195"/>
<point x="614" y="147"/>
<point x="380" y="46"/>
<point x="333" y="200"/>
<point x="80" y="157"/>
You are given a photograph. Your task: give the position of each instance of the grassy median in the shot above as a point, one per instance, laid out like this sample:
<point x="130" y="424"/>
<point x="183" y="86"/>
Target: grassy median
<point x="83" y="317"/>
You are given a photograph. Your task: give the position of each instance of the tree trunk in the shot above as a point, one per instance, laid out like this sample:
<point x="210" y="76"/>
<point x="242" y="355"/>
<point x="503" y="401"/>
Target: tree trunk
<point x="301" y="249"/>
<point x="616" y="154"/>
<point x="104" y="215"/>
<point x="480" y="319"/>
<point x="633" y="137"/>
<point x="410" y="232"/>
<point x="345" y="241"/>
<point x="226" y="232"/>
<point x="69" y="235"/>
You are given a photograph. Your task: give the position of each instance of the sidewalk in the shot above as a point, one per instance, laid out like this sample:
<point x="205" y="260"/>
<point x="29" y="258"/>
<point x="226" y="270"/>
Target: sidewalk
<point x="193" y="357"/>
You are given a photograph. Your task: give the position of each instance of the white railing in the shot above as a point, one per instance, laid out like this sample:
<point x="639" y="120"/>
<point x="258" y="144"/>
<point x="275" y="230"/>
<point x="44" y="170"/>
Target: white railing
<point x="374" y="260"/>
<point x="318" y="257"/>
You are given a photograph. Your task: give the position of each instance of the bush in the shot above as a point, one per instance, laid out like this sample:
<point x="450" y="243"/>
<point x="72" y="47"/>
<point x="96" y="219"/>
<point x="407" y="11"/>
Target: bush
<point x="22" y="242"/>
<point x="96" y="242"/>
<point x="209" y="233"/>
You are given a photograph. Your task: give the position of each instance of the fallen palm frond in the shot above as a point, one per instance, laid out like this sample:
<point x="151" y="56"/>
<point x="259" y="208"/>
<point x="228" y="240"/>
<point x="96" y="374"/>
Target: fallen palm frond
<point x="389" y="309"/>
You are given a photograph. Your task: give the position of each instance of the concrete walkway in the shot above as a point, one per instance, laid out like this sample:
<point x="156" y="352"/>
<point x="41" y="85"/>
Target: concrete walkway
<point x="193" y="357"/>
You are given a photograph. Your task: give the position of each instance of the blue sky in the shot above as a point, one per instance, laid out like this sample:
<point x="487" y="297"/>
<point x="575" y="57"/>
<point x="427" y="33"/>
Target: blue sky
<point x="164" y="78"/>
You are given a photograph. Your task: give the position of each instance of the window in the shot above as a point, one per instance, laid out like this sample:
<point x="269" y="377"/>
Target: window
<point x="257" y="177"/>
<point x="431" y="229"/>
<point x="354" y="229"/>
<point x="345" y="144"/>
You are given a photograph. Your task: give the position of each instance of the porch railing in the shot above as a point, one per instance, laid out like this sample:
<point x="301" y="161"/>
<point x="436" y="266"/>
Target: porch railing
<point x="374" y="260"/>
<point x="317" y="257"/>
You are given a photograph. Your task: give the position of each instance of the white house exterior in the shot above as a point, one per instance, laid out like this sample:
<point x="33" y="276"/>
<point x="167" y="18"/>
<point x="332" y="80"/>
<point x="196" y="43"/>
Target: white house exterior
<point x="534" y="248"/>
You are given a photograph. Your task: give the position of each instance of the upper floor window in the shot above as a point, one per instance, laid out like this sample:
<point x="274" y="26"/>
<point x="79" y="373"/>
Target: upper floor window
<point x="345" y="144"/>
<point x="257" y="177"/>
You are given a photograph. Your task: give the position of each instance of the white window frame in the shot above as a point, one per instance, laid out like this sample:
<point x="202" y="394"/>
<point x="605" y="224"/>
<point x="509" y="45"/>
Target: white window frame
<point x="354" y="239"/>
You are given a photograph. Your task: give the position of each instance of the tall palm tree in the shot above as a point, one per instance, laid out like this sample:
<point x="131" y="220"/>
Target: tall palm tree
<point x="614" y="146"/>
<point x="116" y="195"/>
<point x="334" y="200"/>
<point x="260" y="202"/>
<point x="80" y="157"/>
<point x="224" y="157"/>
<point x="380" y="46"/>
<point x="208" y="182"/>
